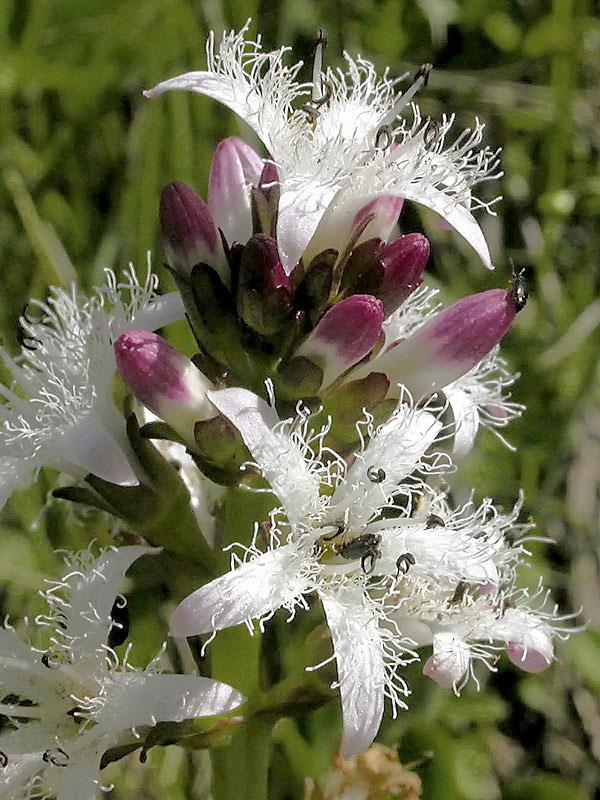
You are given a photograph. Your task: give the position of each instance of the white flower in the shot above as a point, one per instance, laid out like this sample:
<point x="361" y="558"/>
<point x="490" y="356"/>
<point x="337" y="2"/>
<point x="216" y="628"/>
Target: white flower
<point x="70" y="704"/>
<point x="59" y="412"/>
<point x="378" y="548"/>
<point x="477" y="398"/>
<point x="346" y="146"/>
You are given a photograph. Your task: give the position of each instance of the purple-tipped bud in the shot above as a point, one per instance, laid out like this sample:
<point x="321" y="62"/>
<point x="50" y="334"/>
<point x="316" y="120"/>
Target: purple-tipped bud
<point x="265" y="291"/>
<point x="164" y="380"/>
<point x="404" y="262"/>
<point x="449" y="345"/>
<point x="385" y="210"/>
<point x="189" y="233"/>
<point x="235" y="169"/>
<point x="344" y="335"/>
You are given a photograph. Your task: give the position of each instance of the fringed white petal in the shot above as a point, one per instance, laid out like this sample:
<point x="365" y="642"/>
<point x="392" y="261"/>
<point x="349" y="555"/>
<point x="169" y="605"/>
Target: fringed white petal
<point x="255" y="590"/>
<point x="79" y="778"/>
<point x="281" y="459"/>
<point x="358" y="649"/>
<point x="88" y="447"/>
<point x="136" y="699"/>
<point x="396" y="449"/>
<point x="14" y="474"/>
<point x="92" y="593"/>
<point x="18" y="772"/>
<point x="162" y="311"/>
<point x="21" y="670"/>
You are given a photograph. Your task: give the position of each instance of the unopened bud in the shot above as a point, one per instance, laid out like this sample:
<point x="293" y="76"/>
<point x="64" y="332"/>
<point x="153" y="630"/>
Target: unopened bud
<point x="449" y="662"/>
<point x="449" y="345"/>
<point x="264" y="293"/>
<point x="344" y="335"/>
<point x="164" y="380"/>
<point x="235" y="169"/>
<point x="404" y="262"/>
<point x="189" y="233"/>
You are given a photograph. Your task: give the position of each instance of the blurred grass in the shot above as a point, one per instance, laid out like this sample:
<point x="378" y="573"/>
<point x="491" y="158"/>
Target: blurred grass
<point x="82" y="160"/>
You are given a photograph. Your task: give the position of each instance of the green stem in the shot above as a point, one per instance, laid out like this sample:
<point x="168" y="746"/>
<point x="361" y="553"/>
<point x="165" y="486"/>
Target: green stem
<point x="241" y="770"/>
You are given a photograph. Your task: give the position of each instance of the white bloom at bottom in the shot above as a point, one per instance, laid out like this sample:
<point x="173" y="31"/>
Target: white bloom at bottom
<point x="68" y="705"/>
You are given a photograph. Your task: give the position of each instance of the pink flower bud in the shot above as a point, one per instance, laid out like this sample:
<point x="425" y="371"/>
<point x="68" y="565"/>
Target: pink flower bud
<point x="404" y="262"/>
<point x="189" y="233"/>
<point x="449" y="345"/>
<point x="449" y="662"/>
<point x="235" y="169"/>
<point x="386" y="211"/>
<point x="164" y="380"/>
<point x="528" y="658"/>
<point x="344" y="335"/>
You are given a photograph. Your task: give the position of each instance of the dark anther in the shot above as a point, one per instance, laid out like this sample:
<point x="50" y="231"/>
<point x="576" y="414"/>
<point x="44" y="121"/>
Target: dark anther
<point x="518" y="287"/>
<point x="143" y="756"/>
<point x="459" y="593"/>
<point x="404" y="563"/>
<point x="338" y="532"/>
<point x="370" y="557"/>
<point x="431" y="132"/>
<point x="57" y="757"/>
<point x="376" y="474"/>
<point x="423" y="72"/>
<point x="3" y="759"/>
<point x="321" y="38"/>
<point x="119" y="628"/>
<point x="52" y="659"/>
<point x="433" y="521"/>
<point x="383" y="138"/>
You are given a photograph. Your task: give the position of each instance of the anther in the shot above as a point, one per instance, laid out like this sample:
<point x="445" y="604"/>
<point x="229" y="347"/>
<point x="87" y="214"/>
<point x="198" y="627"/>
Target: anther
<point x="376" y="474"/>
<point x="383" y="138"/>
<point x="404" y="563"/>
<point x="433" y="521"/>
<point x="57" y="757"/>
<point x="3" y="759"/>
<point x="338" y="532"/>
<point x="518" y="287"/>
<point x="431" y="132"/>
<point x="52" y="659"/>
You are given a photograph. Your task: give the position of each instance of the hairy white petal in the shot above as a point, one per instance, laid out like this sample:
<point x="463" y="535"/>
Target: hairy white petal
<point x="254" y="590"/>
<point x="280" y="458"/>
<point x="136" y="699"/>
<point x="92" y="594"/>
<point x="359" y="655"/>
<point x="466" y="420"/>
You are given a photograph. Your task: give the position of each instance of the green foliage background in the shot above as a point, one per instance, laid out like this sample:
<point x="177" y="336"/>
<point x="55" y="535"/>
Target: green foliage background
<point x="82" y="160"/>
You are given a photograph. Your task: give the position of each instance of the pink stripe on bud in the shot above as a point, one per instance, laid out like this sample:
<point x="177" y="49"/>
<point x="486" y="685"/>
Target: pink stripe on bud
<point x="344" y="335"/>
<point x="265" y="291"/>
<point x="449" y="345"/>
<point x="189" y="233"/>
<point x="386" y="211"/>
<point x="235" y="169"/>
<point x="164" y="380"/>
<point x="404" y="262"/>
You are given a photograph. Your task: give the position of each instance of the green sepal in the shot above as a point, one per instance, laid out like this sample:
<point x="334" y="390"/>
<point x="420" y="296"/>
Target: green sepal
<point x="314" y="288"/>
<point x="83" y="496"/>
<point x="298" y="379"/>
<point x="345" y="406"/>
<point x="220" y="450"/>
<point x="161" y="430"/>
<point x="364" y="270"/>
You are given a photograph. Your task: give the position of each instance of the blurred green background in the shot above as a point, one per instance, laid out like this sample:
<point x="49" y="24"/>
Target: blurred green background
<point x="82" y="160"/>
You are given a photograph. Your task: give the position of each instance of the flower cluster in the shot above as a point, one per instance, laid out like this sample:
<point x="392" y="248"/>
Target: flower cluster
<point x="328" y="379"/>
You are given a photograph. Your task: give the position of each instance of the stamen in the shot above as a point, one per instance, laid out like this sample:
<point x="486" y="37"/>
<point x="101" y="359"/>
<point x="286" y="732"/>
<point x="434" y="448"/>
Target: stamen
<point x="57" y="757"/>
<point x="317" y="95"/>
<point x="376" y="475"/>
<point x="3" y="760"/>
<point x="420" y="80"/>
